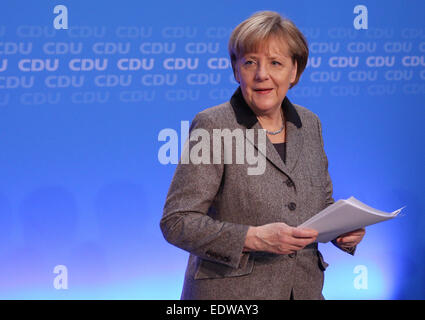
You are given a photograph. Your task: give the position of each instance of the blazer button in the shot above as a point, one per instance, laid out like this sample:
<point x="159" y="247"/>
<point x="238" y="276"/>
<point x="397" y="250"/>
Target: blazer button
<point x="289" y="183"/>
<point x="292" y="255"/>
<point x="292" y="206"/>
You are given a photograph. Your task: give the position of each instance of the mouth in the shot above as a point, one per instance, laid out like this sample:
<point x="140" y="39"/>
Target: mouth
<point x="263" y="90"/>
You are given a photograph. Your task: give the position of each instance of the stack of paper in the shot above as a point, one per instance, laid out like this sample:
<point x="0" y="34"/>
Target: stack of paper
<point x="344" y="216"/>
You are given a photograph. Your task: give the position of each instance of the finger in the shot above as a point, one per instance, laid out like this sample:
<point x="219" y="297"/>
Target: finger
<point x="301" y="242"/>
<point x="351" y="239"/>
<point x="348" y="243"/>
<point x="304" y="233"/>
<point x="298" y="244"/>
<point x="348" y="247"/>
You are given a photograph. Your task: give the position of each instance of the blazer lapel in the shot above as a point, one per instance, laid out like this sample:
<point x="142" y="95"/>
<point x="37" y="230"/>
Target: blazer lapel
<point x="294" y="143"/>
<point x="294" y="139"/>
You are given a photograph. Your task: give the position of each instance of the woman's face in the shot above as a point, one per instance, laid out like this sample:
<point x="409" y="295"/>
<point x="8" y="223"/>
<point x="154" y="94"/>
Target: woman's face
<point x="265" y="76"/>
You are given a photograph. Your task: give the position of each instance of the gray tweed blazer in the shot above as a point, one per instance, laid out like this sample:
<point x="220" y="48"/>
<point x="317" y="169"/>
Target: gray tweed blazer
<point x="209" y="208"/>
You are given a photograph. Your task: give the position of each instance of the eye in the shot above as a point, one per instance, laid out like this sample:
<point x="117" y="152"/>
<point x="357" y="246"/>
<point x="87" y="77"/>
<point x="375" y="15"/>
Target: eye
<point x="276" y="63"/>
<point x="248" y="62"/>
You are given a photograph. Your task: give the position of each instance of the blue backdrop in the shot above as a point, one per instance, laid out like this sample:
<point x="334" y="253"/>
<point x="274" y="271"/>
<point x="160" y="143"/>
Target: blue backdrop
<point x="81" y="185"/>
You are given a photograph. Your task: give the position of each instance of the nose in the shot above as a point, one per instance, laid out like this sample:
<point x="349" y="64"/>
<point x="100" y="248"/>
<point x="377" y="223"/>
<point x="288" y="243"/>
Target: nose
<point x="262" y="72"/>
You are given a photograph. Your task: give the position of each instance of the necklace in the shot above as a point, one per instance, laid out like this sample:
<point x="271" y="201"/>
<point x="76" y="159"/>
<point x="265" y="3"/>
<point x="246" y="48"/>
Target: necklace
<point x="280" y="129"/>
<point x="276" y="132"/>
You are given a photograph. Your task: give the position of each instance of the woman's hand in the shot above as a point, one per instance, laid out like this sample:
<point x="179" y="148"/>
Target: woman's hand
<point x="278" y="238"/>
<point x="350" y="239"/>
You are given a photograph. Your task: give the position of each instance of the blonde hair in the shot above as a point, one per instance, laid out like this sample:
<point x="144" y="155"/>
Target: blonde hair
<point x="252" y="33"/>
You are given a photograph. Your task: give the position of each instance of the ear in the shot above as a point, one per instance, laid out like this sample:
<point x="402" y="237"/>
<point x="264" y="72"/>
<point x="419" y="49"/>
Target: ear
<point x="236" y="73"/>
<point x="294" y="72"/>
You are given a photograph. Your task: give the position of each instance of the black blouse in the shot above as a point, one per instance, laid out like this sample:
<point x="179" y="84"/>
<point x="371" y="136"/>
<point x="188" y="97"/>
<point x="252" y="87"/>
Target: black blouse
<point x="281" y="149"/>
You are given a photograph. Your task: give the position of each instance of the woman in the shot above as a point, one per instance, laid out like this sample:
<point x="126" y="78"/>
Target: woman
<point x="240" y="228"/>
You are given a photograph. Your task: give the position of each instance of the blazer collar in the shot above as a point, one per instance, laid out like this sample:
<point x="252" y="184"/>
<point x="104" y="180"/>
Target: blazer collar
<point x="245" y="116"/>
<point x="294" y="137"/>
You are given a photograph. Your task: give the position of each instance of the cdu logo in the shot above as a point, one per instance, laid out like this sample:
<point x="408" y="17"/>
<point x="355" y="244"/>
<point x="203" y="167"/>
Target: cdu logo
<point x="38" y="65"/>
<point x="202" y="47"/>
<point x="218" y="32"/>
<point x="88" y="64"/>
<point x="111" y="47"/>
<point x="15" y="47"/>
<point x="13" y="82"/>
<point x="362" y="75"/>
<point x="133" y="64"/>
<point x="64" y="81"/>
<point x="324" y="47"/>
<point x="361" y="47"/>
<point x="218" y="63"/>
<point x="160" y="79"/>
<point x="40" y="98"/>
<point x="179" y="32"/>
<point x="343" y="62"/>
<point x="380" y="61"/>
<point x="133" y="32"/>
<point x="182" y="95"/>
<point x="203" y="78"/>
<point x="137" y="96"/>
<point x="181" y="63"/>
<point x="63" y="47"/>
<point x="157" y="47"/>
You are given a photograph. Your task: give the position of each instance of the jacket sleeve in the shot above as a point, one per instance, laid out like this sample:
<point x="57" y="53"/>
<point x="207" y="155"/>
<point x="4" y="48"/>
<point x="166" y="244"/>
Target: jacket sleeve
<point x="329" y="188"/>
<point x="185" y="222"/>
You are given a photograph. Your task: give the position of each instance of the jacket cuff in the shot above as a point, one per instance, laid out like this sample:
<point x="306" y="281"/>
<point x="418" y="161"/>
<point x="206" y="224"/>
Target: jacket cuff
<point x="228" y="250"/>
<point x="350" y="250"/>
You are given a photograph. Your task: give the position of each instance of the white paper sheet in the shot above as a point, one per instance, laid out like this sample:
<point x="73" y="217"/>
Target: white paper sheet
<point x="344" y="216"/>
